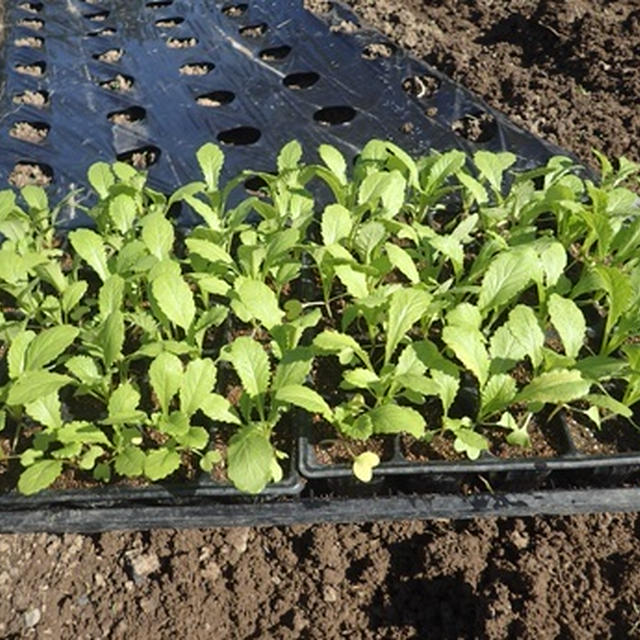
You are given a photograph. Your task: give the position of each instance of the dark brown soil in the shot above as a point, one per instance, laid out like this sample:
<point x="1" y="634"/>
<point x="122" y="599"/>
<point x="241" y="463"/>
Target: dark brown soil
<point x="566" y="70"/>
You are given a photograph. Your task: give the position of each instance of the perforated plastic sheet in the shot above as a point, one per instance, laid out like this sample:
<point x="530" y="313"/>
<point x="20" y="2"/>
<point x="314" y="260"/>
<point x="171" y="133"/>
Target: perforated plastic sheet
<point x="151" y="81"/>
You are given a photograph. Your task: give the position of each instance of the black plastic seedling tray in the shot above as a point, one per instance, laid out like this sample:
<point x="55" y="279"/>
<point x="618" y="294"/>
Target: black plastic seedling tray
<point x="256" y="75"/>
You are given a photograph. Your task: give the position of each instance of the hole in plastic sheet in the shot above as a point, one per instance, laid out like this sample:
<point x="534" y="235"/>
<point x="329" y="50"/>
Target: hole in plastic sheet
<point x="302" y="80"/>
<point x="159" y="4"/>
<point x="34" y="132"/>
<point x="239" y="136"/>
<point x="36" y="69"/>
<point x="256" y="186"/>
<point x="197" y="68"/>
<point x="102" y="33"/>
<point x="378" y="50"/>
<point x="119" y="83"/>
<point x="168" y="23"/>
<point x="477" y="126"/>
<point x="32" y="98"/>
<point x="140" y="158"/>
<point x="127" y="116"/>
<point x="423" y="86"/>
<point x="254" y="30"/>
<point x="110" y="56"/>
<point x="31" y="7"/>
<point x="339" y="114"/>
<point x="216" y="98"/>
<point x="235" y="10"/>
<point x="98" y="16"/>
<point x="30" y="41"/>
<point x="182" y="43"/>
<point x="27" y="172"/>
<point x="274" y="54"/>
<point x="31" y="23"/>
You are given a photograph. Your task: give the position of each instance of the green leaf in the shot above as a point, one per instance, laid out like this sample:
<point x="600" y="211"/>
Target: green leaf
<point x="35" y="197"/>
<point x="493" y="165"/>
<point x="407" y="306"/>
<point x="88" y="459"/>
<point x="101" y="179"/>
<point x="335" y="342"/>
<point x="250" y="457"/>
<point x="289" y="156"/>
<point x="211" y="159"/>
<point x="196" y="438"/>
<point x="569" y="323"/>
<point x="39" y="476"/>
<point x="123" y="211"/>
<point x="82" y="432"/>
<point x="619" y="291"/>
<point x="84" y="368"/>
<point x="165" y="375"/>
<point x="90" y="247"/>
<point x="123" y="405"/>
<point x="198" y="380"/>
<point x="48" y="345"/>
<point x="72" y="295"/>
<point x="335" y="162"/>
<point x="402" y="261"/>
<point x="111" y="295"/>
<point x="18" y="353"/>
<point x="524" y="327"/>
<point x="468" y="346"/>
<point x="337" y="224"/>
<point x="465" y="316"/>
<point x="219" y="409"/>
<point x="175" y="299"/>
<point x="257" y="301"/>
<point x="251" y="363"/>
<point x="497" y="394"/>
<point x="208" y="250"/>
<point x="158" y="235"/>
<point x="554" y="261"/>
<point x="355" y="281"/>
<point x="364" y="464"/>
<point x="46" y="410"/>
<point x="599" y="368"/>
<point x="130" y="462"/>
<point x="306" y="398"/>
<point x="559" y="386"/>
<point x="391" y="418"/>
<point x="112" y="338"/>
<point x="161" y="463"/>
<point x="33" y="385"/>
<point x="210" y="460"/>
<point x="360" y="377"/>
<point x="507" y="276"/>
<point x="610" y="404"/>
<point x="469" y="442"/>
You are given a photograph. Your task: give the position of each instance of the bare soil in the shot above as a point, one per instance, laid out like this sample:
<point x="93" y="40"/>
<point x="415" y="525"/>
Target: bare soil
<point x="566" y="70"/>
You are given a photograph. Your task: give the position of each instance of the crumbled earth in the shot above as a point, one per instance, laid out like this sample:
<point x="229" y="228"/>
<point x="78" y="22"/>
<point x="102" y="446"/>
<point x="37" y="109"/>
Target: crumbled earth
<point x="566" y="70"/>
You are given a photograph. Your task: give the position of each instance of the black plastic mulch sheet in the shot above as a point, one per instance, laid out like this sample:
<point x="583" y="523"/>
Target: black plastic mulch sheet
<point x="150" y="81"/>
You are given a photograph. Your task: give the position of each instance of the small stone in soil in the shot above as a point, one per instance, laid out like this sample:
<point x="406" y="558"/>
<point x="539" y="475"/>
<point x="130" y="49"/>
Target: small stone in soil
<point x="111" y="56"/>
<point x="36" y="25"/>
<point x="29" y="132"/>
<point x="144" y="564"/>
<point x="36" y="70"/>
<point x="377" y="50"/>
<point x="181" y="43"/>
<point x="34" y="43"/>
<point x="24" y="174"/>
<point x="195" y="69"/>
<point x="32" y="617"/>
<point x="33" y="98"/>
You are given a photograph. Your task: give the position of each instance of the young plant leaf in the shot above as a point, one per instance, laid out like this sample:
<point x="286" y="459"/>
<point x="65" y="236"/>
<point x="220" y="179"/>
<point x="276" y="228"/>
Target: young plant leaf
<point x="493" y="165"/>
<point x="210" y="460"/>
<point x="391" y="418"/>
<point x="211" y="159"/>
<point x="161" y="463"/>
<point x="72" y="295"/>
<point x="306" y="398"/>
<point x="158" y="235"/>
<point x="364" y="464"/>
<point x="403" y="262"/>
<point x="175" y="299"/>
<point x="17" y="354"/>
<point x="507" y="276"/>
<point x="101" y="179"/>
<point x="469" y="442"/>
<point x="559" y="386"/>
<point x="84" y="368"/>
<point x="407" y="306"/>
<point x="334" y="342"/>
<point x="336" y="224"/>
<point x="165" y="375"/>
<point x="249" y="458"/>
<point x="123" y="211"/>
<point x="497" y="394"/>
<point x="32" y="385"/>
<point x="197" y="382"/>
<point x="39" y="476"/>
<point x="468" y="346"/>
<point x="255" y="300"/>
<point x="354" y="281"/>
<point x="111" y="295"/>
<point x="251" y="363"/>
<point x="123" y="405"/>
<point x="335" y="162"/>
<point x="524" y="327"/>
<point x="218" y="408"/>
<point x="48" y="345"/>
<point x="46" y="411"/>
<point x="569" y="323"/>
<point x="130" y="462"/>
<point x="112" y="338"/>
<point x="90" y="247"/>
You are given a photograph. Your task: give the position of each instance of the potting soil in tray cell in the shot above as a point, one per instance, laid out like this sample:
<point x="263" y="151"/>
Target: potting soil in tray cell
<point x="149" y="82"/>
